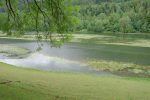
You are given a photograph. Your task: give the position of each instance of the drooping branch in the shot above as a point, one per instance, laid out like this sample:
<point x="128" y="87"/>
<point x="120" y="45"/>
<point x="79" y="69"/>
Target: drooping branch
<point x="48" y="15"/>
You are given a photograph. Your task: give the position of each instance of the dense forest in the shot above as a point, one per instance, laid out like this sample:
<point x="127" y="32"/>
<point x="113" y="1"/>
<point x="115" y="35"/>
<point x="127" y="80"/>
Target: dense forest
<point x="125" y="16"/>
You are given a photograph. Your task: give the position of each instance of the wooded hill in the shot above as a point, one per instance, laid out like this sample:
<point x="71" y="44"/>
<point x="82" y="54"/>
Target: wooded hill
<point x="127" y="16"/>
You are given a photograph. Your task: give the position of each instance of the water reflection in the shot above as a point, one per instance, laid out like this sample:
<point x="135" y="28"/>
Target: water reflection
<point x="43" y="62"/>
<point x="65" y="58"/>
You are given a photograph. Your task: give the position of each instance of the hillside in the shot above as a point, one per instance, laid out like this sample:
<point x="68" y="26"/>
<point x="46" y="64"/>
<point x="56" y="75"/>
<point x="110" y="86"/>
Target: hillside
<point x="127" y="16"/>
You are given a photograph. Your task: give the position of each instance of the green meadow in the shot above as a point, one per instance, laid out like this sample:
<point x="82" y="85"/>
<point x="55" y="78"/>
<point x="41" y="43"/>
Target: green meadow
<point x="28" y="84"/>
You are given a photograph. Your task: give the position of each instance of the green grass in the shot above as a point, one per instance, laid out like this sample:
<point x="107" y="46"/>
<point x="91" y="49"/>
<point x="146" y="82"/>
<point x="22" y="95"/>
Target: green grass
<point x="28" y="84"/>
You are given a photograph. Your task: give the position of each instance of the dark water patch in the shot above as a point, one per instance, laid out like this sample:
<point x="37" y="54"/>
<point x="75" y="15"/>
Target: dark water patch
<point x="131" y="74"/>
<point x="12" y="41"/>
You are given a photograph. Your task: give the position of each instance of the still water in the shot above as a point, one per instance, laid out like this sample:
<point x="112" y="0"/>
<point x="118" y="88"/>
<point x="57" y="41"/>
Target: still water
<point x="69" y="56"/>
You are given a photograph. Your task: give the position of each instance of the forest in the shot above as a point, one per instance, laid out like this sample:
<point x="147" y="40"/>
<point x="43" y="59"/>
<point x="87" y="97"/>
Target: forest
<point x="106" y="16"/>
<point x="125" y="16"/>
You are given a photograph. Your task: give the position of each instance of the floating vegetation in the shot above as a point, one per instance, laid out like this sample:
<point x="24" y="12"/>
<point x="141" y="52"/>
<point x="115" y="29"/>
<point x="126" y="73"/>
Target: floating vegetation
<point x="13" y="51"/>
<point x="122" y="68"/>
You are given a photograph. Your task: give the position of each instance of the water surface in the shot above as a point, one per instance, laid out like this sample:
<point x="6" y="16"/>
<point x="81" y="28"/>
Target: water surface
<point x="69" y="56"/>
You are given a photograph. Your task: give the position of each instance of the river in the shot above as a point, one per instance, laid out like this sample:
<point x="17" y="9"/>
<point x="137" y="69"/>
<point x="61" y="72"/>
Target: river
<point x="70" y="56"/>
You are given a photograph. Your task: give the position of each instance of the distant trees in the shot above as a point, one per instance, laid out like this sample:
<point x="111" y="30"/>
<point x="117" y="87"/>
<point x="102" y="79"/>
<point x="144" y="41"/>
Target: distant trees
<point x="94" y="15"/>
<point x="114" y="15"/>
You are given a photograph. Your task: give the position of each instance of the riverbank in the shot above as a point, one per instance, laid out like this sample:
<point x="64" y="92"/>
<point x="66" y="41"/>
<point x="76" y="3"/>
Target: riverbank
<point x="26" y="84"/>
<point x="127" y="39"/>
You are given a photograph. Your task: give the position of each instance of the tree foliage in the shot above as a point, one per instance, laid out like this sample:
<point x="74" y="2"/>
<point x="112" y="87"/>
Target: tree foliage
<point x="114" y="15"/>
<point x="53" y="17"/>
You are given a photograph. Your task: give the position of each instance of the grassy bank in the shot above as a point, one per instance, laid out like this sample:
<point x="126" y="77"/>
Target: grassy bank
<point x="27" y="84"/>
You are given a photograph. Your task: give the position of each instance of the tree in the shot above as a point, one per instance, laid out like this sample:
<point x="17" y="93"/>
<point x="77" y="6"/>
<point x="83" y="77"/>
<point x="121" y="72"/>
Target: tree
<point x="54" y="17"/>
<point x="125" y="24"/>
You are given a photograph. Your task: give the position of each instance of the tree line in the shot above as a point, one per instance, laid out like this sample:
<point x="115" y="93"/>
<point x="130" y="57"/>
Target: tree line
<point x="125" y="16"/>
